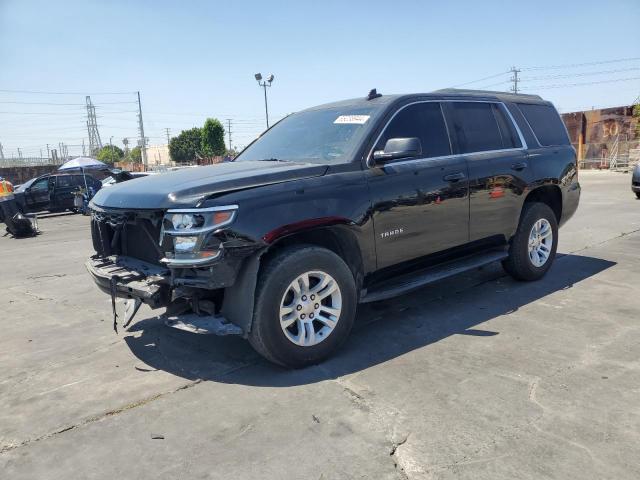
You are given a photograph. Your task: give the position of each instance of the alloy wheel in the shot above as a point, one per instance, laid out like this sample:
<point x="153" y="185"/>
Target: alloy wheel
<point x="310" y="308"/>
<point x="540" y="242"/>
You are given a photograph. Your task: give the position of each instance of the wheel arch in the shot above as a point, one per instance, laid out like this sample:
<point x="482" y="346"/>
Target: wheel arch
<point x="337" y="238"/>
<point x="239" y="300"/>
<point x="550" y="195"/>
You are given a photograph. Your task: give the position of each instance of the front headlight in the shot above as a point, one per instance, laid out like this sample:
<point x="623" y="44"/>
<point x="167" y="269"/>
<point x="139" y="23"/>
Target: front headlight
<point x="187" y="229"/>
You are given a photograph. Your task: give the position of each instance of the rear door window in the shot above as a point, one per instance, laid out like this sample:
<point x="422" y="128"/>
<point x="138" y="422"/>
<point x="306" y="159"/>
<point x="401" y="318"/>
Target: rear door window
<point x="476" y="127"/>
<point x="64" y="181"/>
<point x="545" y="123"/>
<point x="424" y="121"/>
<point x="510" y="138"/>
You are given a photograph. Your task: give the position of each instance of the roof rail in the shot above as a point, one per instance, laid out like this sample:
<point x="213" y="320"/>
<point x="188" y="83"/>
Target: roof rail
<point x="463" y="91"/>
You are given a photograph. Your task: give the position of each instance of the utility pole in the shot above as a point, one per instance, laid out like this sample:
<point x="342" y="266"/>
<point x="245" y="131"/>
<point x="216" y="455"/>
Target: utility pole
<point x="83" y="150"/>
<point x="19" y="153"/>
<point x="1" y="152"/>
<point x="41" y="154"/>
<point x="229" y="131"/>
<point x="143" y="139"/>
<point x="515" y="71"/>
<point x="168" y="132"/>
<point x="48" y="156"/>
<point x="111" y="149"/>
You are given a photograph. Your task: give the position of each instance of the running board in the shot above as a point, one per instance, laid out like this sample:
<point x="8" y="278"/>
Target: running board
<point x="410" y="282"/>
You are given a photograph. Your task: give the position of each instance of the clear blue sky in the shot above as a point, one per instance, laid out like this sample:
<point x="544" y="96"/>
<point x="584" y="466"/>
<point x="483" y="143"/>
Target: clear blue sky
<point x="193" y="59"/>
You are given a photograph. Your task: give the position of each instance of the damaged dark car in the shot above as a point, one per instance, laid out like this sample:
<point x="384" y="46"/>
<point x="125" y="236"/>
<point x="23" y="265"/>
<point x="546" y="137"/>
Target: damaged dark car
<point x="350" y="202"/>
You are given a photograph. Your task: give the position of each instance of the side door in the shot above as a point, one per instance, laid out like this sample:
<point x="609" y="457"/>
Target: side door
<point x="62" y="197"/>
<point x="420" y="205"/>
<point x="37" y="195"/>
<point x="499" y="170"/>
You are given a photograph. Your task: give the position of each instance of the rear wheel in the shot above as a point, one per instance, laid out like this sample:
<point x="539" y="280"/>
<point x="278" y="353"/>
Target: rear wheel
<point x="305" y="306"/>
<point x="533" y="247"/>
<point x="638" y="195"/>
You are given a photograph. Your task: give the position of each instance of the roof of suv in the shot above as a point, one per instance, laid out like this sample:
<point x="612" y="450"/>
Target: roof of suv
<point x="447" y="93"/>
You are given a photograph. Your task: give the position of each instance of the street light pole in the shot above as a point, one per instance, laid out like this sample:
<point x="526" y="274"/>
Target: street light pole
<point x="264" y="84"/>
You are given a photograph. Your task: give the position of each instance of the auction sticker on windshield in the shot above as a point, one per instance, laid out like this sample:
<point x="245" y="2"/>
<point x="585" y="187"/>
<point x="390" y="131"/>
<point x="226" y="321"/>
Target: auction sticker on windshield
<point x="352" y="119"/>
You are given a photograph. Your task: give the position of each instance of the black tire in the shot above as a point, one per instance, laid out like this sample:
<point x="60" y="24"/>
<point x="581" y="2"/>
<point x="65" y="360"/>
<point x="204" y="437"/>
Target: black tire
<point x="638" y="195"/>
<point x="518" y="264"/>
<point x="267" y="337"/>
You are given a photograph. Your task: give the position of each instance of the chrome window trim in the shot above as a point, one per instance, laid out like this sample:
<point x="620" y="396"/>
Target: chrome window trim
<point x="442" y="157"/>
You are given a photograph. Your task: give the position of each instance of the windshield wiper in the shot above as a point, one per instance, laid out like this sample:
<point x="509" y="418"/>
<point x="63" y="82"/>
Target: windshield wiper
<point x="270" y="160"/>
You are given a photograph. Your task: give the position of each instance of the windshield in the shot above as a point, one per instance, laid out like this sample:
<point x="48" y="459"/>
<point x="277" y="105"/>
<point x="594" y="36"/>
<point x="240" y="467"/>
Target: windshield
<point x="329" y="135"/>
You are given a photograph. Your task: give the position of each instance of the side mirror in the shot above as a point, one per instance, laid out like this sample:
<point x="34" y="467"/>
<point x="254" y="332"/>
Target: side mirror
<point x="397" y="148"/>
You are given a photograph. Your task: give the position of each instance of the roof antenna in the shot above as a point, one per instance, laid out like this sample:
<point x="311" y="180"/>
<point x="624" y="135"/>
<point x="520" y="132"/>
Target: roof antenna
<point x="373" y="93"/>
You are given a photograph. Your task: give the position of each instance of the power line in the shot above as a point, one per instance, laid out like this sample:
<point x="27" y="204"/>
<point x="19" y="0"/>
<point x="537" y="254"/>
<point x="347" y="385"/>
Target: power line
<point x="65" y="93"/>
<point x="581" y="74"/>
<point x="575" y="65"/>
<point x="562" y="85"/>
<point x="481" y="79"/>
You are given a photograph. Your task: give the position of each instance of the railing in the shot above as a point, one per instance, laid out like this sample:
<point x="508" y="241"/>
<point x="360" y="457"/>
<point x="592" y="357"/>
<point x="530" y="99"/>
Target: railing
<point x="28" y="162"/>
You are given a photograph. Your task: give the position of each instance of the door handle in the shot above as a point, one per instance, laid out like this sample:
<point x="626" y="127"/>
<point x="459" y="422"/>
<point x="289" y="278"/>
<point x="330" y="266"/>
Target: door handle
<point x="519" y="166"/>
<point x="454" y="177"/>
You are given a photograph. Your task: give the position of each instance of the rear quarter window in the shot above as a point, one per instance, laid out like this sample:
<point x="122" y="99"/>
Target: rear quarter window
<point x="545" y="123"/>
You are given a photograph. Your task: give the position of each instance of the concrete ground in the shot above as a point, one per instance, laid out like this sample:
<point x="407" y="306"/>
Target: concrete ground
<point x="479" y="377"/>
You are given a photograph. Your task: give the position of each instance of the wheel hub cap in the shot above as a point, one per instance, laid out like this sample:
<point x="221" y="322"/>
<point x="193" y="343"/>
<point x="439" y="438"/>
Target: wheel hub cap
<point x="310" y="308"/>
<point x="540" y="242"/>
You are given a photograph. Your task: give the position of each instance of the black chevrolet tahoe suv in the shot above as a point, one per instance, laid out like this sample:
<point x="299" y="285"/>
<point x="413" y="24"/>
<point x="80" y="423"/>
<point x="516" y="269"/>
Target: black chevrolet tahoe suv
<point x="350" y="202"/>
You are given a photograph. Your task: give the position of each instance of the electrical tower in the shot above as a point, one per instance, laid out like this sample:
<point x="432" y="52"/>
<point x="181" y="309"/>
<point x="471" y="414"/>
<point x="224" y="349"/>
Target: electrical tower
<point x="229" y="131"/>
<point x="95" y="144"/>
<point x="1" y="153"/>
<point x="142" y="143"/>
<point x="515" y="71"/>
<point x="168" y="132"/>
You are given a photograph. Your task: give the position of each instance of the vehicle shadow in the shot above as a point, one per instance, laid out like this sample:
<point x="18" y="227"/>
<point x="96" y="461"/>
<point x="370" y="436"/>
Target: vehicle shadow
<point x="382" y="332"/>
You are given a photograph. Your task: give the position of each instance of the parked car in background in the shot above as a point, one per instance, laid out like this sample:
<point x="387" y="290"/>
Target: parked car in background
<point x="635" y="181"/>
<point x="351" y="202"/>
<point x="122" y="176"/>
<point x="53" y="192"/>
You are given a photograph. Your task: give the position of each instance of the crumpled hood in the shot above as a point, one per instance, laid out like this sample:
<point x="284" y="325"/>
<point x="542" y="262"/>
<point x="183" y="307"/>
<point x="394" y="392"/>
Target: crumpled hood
<point x="185" y="188"/>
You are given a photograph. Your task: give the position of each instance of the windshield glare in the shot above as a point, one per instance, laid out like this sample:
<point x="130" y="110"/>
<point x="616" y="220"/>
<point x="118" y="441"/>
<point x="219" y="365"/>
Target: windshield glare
<point x="328" y="135"/>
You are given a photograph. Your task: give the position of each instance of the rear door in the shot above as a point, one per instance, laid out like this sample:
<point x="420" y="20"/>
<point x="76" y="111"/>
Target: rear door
<point x="499" y="171"/>
<point x="420" y="205"/>
<point x="63" y="193"/>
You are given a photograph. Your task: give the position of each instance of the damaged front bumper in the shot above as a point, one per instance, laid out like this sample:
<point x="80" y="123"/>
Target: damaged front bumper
<point x="142" y="282"/>
<point x="127" y="277"/>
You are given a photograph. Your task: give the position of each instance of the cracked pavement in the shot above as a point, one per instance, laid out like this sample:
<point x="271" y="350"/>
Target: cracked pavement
<point x="477" y="377"/>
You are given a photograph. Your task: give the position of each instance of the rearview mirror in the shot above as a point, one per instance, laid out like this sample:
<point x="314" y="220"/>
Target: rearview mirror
<point x="397" y="148"/>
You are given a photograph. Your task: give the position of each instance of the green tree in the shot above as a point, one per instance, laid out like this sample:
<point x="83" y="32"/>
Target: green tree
<point x="212" y="141"/>
<point x="135" y="155"/>
<point x="185" y="146"/>
<point x="110" y="154"/>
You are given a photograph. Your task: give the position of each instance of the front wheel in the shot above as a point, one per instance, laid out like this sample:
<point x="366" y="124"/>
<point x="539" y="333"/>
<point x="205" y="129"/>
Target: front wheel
<point x="638" y="195"/>
<point x="305" y="306"/>
<point x="533" y="247"/>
